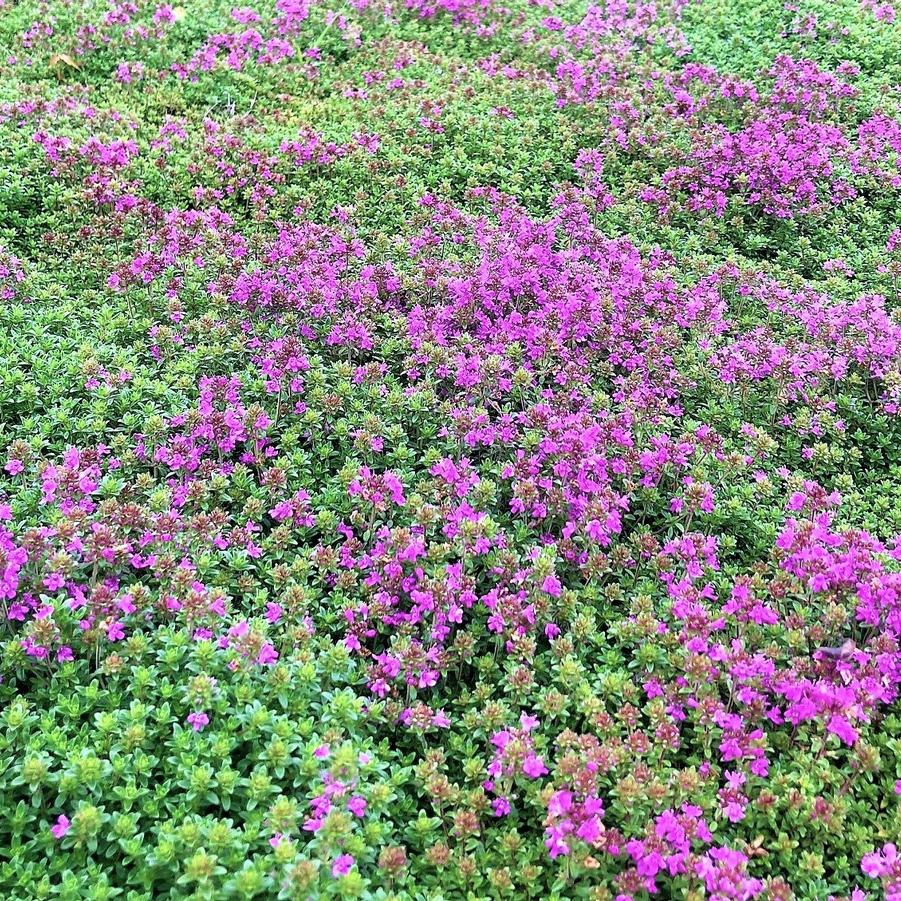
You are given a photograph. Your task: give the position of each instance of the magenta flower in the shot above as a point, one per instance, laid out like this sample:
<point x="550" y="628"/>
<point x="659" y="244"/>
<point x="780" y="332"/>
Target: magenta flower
<point x="267" y="654"/>
<point x="528" y="722"/>
<point x="342" y="865"/>
<point x="357" y="805"/>
<point x="197" y="720"/>
<point x="61" y="827"/>
<point x="273" y="612"/>
<point x="533" y="766"/>
<point x="54" y="581"/>
<point x="840" y="726"/>
<point x="882" y="862"/>
<point x="552" y="586"/>
<point x="501" y="807"/>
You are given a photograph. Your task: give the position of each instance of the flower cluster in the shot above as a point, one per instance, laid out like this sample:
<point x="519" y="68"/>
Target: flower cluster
<point x="450" y="448"/>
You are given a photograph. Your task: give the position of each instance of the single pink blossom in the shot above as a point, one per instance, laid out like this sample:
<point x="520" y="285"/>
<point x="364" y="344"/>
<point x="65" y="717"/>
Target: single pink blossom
<point x="197" y="720"/>
<point x="342" y="865"/>
<point x="61" y="826"/>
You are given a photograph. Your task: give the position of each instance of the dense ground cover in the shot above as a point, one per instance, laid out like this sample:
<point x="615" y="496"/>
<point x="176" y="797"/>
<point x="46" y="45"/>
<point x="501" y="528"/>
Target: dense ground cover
<point x="450" y="449"/>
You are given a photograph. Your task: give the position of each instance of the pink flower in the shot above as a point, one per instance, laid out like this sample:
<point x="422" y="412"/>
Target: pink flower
<point x="796" y="501"/>
<point x="880" y="863"/>
<point x="342" y="865"/>
<point x="555" y="842"/>
<point x="839" y="726"/>
<point x="871" y="865"/>
<point x="54" y="581"/>
<point x="552" y="586"/>
<point x="61" y="827"/>
<point x="395" y="489"/>
<point x="590" y="830"/>
<point x="533" y="766"/>
<point x="560" y="803"/>
<point x="501" y="807"/>
<point x="357" y="805"/>
<point x="197" y="720"/>
<point x="441" y="720"/>
<point x="273" y="612"/>
<point x="267" y="655"/>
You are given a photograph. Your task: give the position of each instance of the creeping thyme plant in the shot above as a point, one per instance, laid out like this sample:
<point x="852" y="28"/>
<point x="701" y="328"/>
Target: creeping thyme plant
<point x="450" y="449"/>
